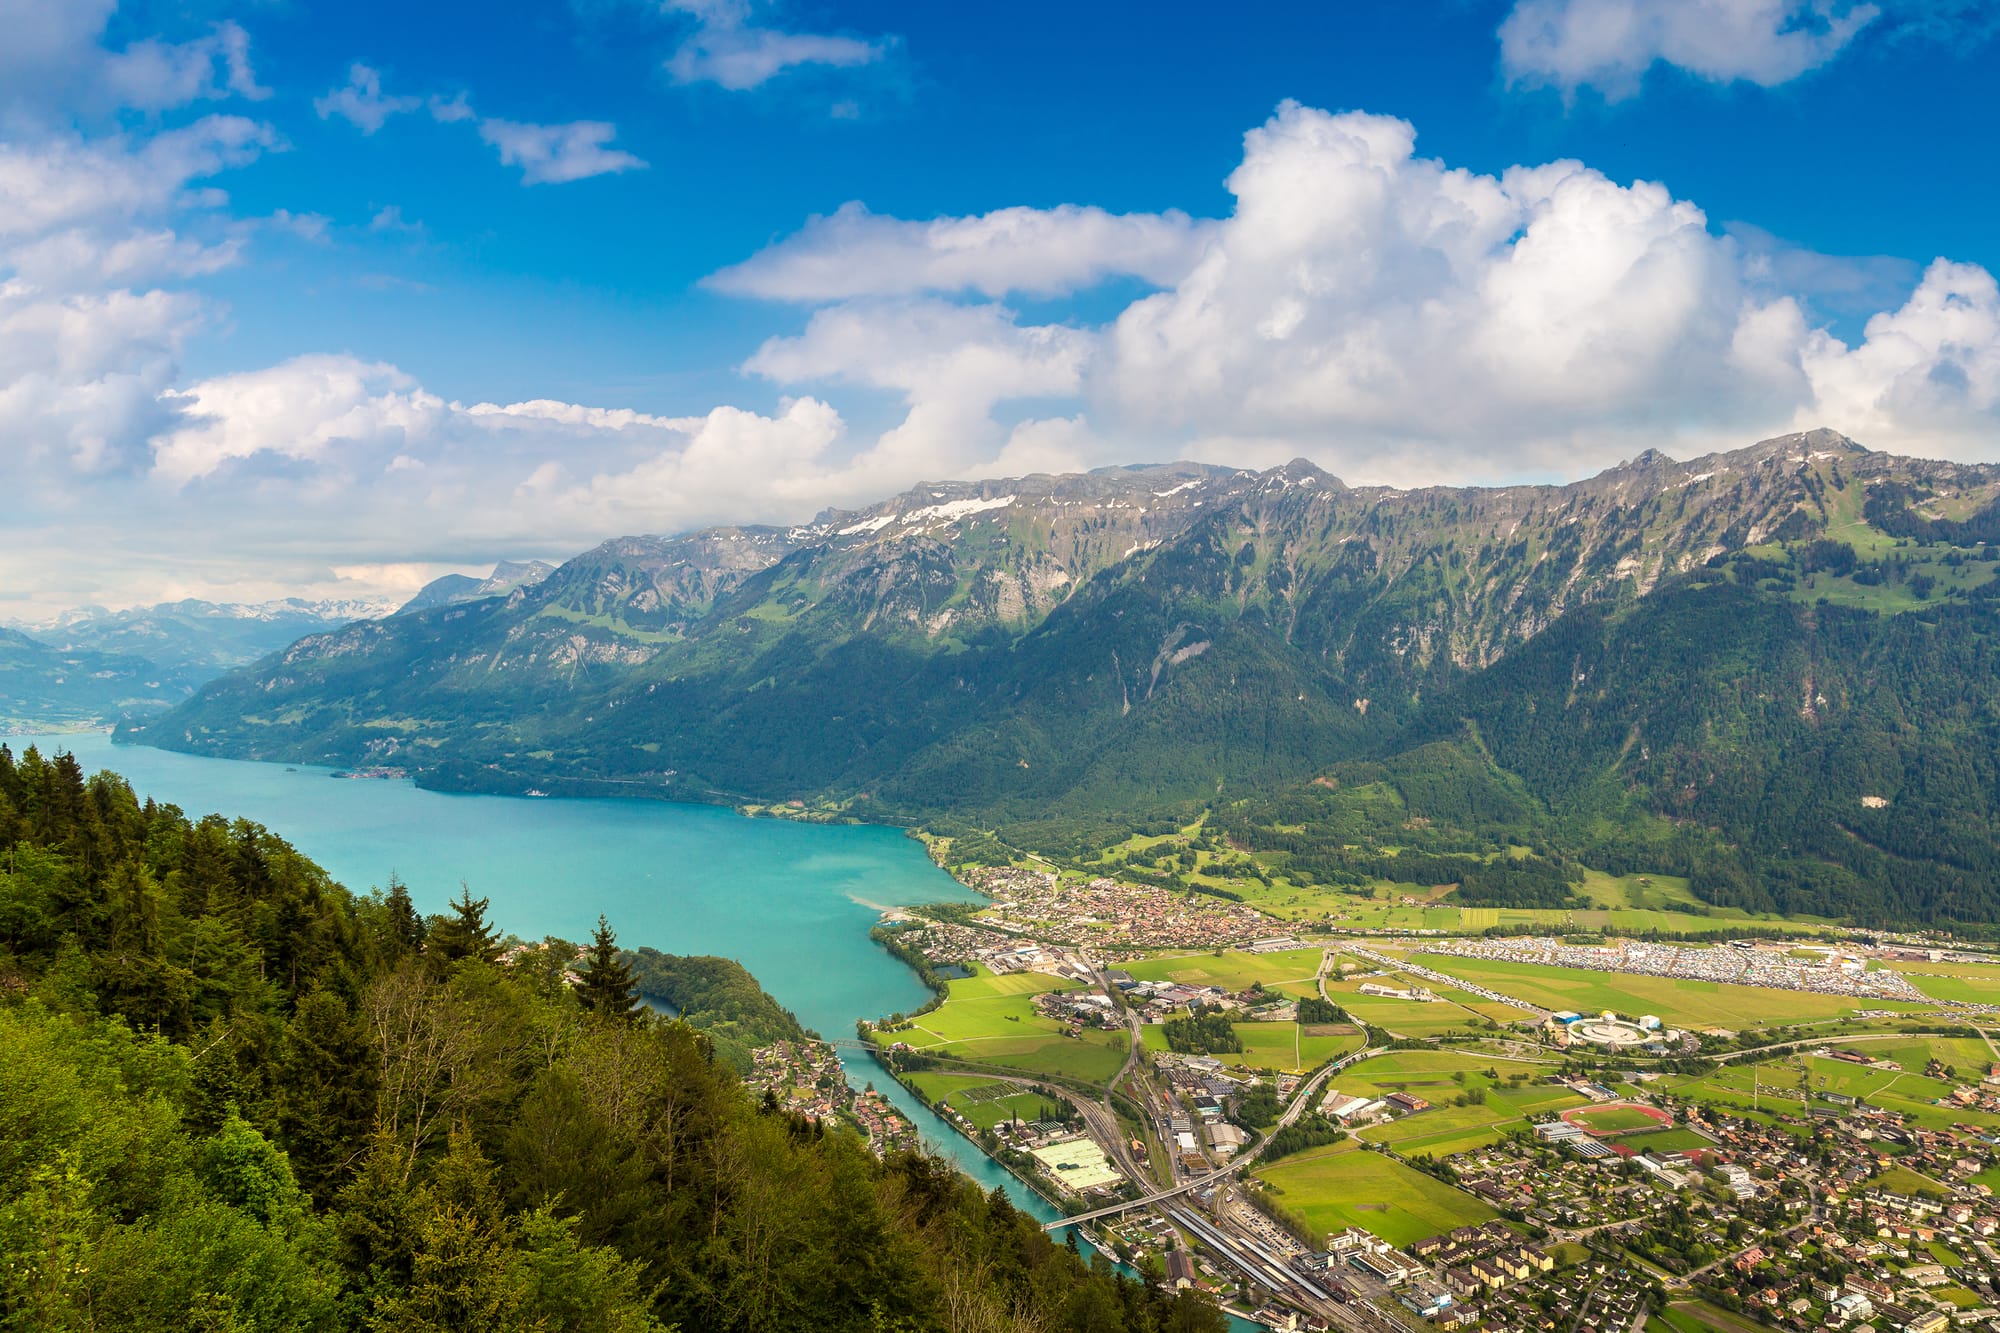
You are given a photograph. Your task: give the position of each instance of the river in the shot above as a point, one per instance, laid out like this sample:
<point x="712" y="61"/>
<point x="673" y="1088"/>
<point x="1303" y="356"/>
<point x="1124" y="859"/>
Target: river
<point x="792" y="902"/>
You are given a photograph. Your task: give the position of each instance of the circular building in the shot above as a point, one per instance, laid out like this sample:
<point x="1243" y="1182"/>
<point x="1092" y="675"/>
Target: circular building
<point x="1608" y="1030"/>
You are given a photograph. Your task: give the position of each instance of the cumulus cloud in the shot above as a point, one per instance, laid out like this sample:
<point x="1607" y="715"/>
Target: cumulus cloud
<point x="951" y="364"/>
<point x="1038" y="251"/>
<point x="1929" y="370"/>
<point x="729" y="49"/>
<point x="553" y="154"/>
<point x="1395" y="317"/>
<point x="361" y="102"/>
<point x="297" y="410"/>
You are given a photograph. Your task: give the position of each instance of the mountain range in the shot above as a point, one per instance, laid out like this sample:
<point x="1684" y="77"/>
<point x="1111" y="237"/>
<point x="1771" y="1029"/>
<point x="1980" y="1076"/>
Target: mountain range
<point x="1771" y="669"/>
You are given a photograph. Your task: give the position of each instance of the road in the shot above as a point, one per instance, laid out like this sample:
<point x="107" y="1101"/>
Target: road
<point x="1830" y="1039"/>
<point x="1306" y="1096"/>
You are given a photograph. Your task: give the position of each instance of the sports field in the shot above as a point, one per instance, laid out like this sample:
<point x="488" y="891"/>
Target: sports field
<point x="992" y="1019"/>
<point x="1679" y="1002"/>
<point x="1344" y="1185"/>
<point x="1618" y="1119"/>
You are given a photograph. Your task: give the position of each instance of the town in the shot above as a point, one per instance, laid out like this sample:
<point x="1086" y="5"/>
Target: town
<point x="1377" y="1130"/>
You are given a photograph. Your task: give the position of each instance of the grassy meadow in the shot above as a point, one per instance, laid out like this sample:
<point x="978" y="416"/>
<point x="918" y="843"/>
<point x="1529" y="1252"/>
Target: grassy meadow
<point x="1344" y="1185"/>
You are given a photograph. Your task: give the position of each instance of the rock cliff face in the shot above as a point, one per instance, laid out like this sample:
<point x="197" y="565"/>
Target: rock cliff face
<point x="1127" y="636"/>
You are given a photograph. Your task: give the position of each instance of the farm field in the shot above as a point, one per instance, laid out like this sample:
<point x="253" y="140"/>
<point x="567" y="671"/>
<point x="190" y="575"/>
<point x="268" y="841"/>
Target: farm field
<point x="1643" y="892"/>
<point x="1417" y="1018"/>
<point x="1969" y="982"/>
<point x="1286" y="1047"/>
<point x="1908" y="1091"/>
<point x="1345" y="1185"/>
<point x="1677" y="1001"/>
<point x="1232" y="970"/>
<point x="984" y="1101"/>
<point x="992" y="1019"/>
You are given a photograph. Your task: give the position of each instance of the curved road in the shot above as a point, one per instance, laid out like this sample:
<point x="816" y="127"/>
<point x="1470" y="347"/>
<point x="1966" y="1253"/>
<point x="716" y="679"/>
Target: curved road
<point x="1300" y="1101"/>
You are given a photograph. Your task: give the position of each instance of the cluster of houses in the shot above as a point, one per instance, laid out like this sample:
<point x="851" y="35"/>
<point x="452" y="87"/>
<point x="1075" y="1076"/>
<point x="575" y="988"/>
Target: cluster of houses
<point x="806" y="1078"/>
<point x="1105" y="912"/>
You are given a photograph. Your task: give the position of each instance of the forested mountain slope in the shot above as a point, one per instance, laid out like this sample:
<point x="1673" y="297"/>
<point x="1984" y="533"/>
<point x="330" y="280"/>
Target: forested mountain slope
<point x="1147" y="637"/>
<point x="238" y="1096"/>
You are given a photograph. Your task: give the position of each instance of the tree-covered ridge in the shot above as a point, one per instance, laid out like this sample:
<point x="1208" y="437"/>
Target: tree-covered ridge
<point x="1271" y="631"/>
<point x="718" y="996"/>
<point x="239" y="1096"/>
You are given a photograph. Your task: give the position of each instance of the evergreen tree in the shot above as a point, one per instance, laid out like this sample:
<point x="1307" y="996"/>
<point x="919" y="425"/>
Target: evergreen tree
<point x="326" y="1091"/>
<point x="607" y="986"/>
<point x="464" y="932"/>
<point x="405" y="928"/>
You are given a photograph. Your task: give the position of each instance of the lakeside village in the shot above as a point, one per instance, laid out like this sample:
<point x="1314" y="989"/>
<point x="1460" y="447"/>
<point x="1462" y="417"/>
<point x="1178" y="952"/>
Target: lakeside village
<point x="1353" y="1138"/>
<point x="805" y="1078"/>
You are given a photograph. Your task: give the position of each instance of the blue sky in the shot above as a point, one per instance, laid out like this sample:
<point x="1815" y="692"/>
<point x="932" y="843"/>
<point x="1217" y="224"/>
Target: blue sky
<point x="356" y="293"/>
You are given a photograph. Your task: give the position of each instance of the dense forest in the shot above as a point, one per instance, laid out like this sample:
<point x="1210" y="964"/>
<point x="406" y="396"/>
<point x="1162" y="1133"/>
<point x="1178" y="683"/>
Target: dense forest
<point x="718" y="996"/>
<point x="240" y="1097"/>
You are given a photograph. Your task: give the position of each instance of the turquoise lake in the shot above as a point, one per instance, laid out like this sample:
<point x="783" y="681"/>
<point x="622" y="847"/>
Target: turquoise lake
<point x="792" y="902"/>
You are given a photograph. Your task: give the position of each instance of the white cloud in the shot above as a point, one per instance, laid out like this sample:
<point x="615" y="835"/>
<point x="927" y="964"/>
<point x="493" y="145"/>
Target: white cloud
<point x="299" y="410"/>
<point x="553" y="154"/>
<point x="451" y="110"/>
<point x="154" y="75"/>
<point x="389" y="218"/>
<point x="1363" y="294"/>
<point x="67" y="181"/>
<point x="1928" y="372"/>
<point x="86" y="350"/>
<point x="1044" y="252"/>
<point x="52" y="62"/>
<point x="362" y="102"/>
<point x="727" y="49"/>
<point x="1610" y="44"/>
<point x="951" y="364"/>
<point x="1396" y="318"/>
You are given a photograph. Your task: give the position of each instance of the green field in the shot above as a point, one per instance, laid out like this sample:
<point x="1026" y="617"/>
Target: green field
<point x="1664" y="1141"/>
<point x="1643" y="892"/>
<point x="984" y="1101"/>
<point x="1677" y="1001"/>
<point x="1907" y="1091"/>
<point x="1902" y="1180"/>
<point x="992" y="1020"/>
<point x="1343" y="1185"/>
<point x="1435" y="1076"/>
<point x="1968" y="982"/>
<point x="1232" y="970"/>
<point x="1283" y="1047"/>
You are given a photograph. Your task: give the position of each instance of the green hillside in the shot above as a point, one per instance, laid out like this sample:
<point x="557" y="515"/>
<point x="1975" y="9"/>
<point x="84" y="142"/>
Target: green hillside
<point x="238" y="1096"/>
<point x="1697" y="669"/>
